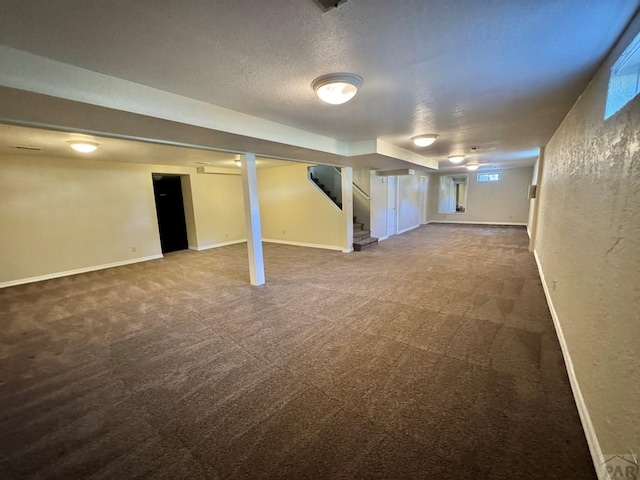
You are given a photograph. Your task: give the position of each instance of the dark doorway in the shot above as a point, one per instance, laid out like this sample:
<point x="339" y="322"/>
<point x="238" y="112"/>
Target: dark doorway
<point x="170" y="209"/>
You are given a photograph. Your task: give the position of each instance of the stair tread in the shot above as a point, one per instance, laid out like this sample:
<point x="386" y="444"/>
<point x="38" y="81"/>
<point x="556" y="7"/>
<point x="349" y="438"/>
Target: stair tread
<point x="366" y="241"/>
<point x="359" y="246"/>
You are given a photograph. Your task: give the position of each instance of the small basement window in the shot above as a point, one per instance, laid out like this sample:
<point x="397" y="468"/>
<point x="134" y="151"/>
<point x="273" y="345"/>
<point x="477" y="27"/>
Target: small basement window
<point x="488" y="177"/>
<point x="624" y="83"/>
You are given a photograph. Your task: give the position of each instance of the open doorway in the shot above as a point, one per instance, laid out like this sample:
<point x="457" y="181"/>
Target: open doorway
<point x="170" y="211"/>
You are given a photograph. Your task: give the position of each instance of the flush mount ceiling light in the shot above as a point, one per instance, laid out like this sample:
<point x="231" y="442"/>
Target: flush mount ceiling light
<point x="337" y="88"/>
<point x="456" y="158"/>
<point x="84" y="147"/>
<point x="472" y="166"/>
<point x="425" y="140"/>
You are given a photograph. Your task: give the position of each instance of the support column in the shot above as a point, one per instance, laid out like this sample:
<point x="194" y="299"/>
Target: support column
<point x="252" y="218"/>
<point x="347" y="207"/>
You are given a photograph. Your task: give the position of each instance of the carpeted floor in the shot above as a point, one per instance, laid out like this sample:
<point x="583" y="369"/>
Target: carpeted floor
<point x="430" y="356"/>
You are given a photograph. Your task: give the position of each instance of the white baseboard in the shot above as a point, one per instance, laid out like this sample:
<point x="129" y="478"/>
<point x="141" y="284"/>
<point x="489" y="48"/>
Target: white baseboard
<point x="347" y="250"/>
<point x="50" y="276"/>
<point x="585" y="418"/>
<point x="382" y="239"/>
<point x="302" y="244"/>
<point x="404" y="230"/>
<point x="217" y="245"/>
<point x="508" y="224"/>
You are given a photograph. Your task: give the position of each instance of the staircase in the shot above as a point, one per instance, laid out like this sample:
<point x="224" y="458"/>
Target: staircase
<point x="326" y="191"/>
<point x="362" y="238"/>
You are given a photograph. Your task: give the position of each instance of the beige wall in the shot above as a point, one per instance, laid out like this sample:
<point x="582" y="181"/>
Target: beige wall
<point x="588" y="243"/>
<point x="294" y="210"/>
<point x="62" y="214"/>
<point x="491" y="202"/>
<point x="218" y="208"/>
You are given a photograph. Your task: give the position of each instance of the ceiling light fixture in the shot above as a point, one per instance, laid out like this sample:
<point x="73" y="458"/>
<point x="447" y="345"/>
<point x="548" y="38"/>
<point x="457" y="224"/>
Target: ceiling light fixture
<point x="337" y="88"/>
<point x="473" y="166"/>
<point x="425" y="140"/>
<point x="84" y="147"/>
<point x="456" y="158"/>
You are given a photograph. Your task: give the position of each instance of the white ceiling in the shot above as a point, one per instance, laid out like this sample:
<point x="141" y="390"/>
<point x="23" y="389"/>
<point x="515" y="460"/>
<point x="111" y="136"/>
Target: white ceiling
<point x="56" y="144"/>
<point x="496" y="74"/>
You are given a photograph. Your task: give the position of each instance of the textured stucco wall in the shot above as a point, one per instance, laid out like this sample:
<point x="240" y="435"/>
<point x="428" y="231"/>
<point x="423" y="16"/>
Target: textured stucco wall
<point x="588" y="243"/>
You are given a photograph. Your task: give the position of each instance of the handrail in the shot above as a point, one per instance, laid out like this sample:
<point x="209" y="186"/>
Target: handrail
<point x="355" y="185"/>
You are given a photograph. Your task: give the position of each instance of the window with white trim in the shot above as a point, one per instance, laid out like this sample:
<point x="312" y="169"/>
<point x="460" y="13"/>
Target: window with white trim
<point x="624" y="83"/>
<point x="489" y="177"/>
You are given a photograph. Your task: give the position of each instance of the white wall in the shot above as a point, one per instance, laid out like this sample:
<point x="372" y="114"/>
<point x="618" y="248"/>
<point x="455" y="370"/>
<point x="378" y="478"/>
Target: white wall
<point x="408" y="202"/>
<point x="588" y="245"/>
<point x="408" y="211"/>
<point x="64" y="214"/>
<point x="489" y="202"/>
<point x="378" y="202"/>
<point x="294" y="210"/>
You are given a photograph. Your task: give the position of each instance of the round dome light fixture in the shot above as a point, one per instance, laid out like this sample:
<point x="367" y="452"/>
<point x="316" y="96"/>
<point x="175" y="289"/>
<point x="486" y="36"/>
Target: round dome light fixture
<point x="337" y="88"/>
<point x="425" y="140"/>
<point x="83" y="147"/>
<point x="473" y="166"/>
<point x="456" y="158"/>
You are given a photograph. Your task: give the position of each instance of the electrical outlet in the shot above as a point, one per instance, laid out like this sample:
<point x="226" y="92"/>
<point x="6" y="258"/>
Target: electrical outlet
<point x="553" y="285"/>
<point x="134" y="249"/>
<point x="283" y="232"/>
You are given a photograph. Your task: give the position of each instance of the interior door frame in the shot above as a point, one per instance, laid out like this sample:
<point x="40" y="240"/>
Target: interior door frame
<point x="393" y="179"/>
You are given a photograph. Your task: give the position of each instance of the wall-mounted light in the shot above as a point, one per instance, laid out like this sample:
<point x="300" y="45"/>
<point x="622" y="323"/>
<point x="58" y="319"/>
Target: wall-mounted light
<point x="83" y="147"/>
<point x="337" y="88"/>
<point x="238" y="163"/>
<point x="425" y="140"/>
<point x="456" y="158"/>
<point x="472" y="166"/>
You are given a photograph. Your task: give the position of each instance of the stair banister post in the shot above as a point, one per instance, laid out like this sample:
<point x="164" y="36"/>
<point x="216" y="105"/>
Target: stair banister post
<point x="347" y="207"/>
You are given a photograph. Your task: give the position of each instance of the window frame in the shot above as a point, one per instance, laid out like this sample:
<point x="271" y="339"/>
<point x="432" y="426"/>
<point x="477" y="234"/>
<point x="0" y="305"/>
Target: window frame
<point x="489" y="175"/>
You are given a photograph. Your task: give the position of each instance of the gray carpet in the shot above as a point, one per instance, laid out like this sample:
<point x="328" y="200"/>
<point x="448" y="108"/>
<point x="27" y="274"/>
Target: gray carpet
<point x="431" y="356"/>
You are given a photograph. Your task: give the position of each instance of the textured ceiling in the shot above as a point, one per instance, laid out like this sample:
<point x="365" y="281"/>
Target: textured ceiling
<point x="497" y="74"/>
<point x="55" y="144"/>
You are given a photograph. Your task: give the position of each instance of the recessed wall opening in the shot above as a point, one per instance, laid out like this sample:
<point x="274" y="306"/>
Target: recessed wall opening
<point x="624" y="82"/>
<point x="453" y="194"/>
<point x="170" y="212"/>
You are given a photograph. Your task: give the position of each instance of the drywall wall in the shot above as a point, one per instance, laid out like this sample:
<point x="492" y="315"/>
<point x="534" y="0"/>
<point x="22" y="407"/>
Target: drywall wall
<point x="218" y="209"/>
<point x="378" y="203"/>
<point x="588" y="246"/>
<point x="489" y="202"/>
<point x="294" y="210"/>
<point x="408" y="203"/>
<point x="64" y="214"/>
<point x="532" y="202"/>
